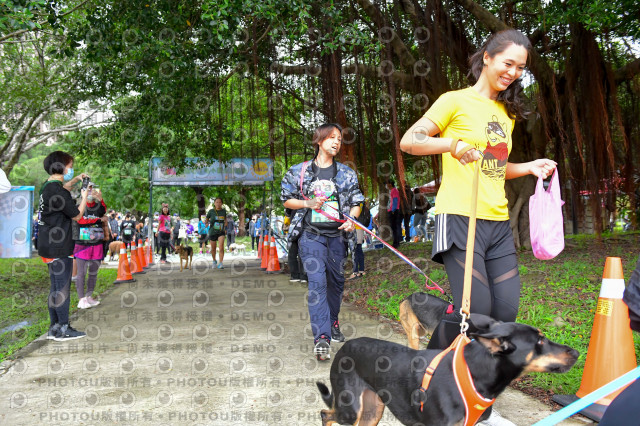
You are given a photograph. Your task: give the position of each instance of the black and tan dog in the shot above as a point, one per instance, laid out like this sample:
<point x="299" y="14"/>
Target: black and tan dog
<point x="185" y="253"/>
<point x="368" y="374"/>
<point x="420" y="313"/>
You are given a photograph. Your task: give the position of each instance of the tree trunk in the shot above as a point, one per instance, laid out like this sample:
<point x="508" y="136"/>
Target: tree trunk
<point x="242" y="201"/>
<point x="384" y="220"/>
<point x="202" y="205"/>
<point x="334" y="104"/>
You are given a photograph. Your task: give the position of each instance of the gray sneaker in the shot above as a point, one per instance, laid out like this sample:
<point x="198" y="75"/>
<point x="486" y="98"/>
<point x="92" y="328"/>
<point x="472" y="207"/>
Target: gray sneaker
<point x="215" y="264"/>
<point x="67" y="332"/>
<point x="322" y="349"/>
<point x="53" y="331"/>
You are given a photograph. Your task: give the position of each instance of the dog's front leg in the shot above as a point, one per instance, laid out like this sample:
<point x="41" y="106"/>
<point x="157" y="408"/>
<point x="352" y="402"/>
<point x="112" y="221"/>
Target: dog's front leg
<point x="328" y="417"/>
<point x="372" y="409"/>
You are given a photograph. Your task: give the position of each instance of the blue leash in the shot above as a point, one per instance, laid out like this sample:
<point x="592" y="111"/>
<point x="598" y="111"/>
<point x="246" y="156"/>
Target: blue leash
<point x="589" y="399"/>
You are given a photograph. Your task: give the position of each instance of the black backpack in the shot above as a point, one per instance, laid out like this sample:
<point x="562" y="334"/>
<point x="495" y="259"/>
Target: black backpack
<point x="365" y="216"/>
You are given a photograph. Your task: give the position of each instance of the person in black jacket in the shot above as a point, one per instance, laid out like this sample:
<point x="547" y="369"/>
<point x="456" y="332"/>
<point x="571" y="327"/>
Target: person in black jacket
<point x="128" y="230"/>
<point x="56" y="210"/>
<point x="622" y="410"/>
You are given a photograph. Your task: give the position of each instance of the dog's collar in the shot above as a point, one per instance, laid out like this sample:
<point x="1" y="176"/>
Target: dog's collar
<point x="474" y="403"/>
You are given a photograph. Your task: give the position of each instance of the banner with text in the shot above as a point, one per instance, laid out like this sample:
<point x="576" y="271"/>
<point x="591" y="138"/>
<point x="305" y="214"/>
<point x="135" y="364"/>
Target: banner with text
<point x="244" y="171"/>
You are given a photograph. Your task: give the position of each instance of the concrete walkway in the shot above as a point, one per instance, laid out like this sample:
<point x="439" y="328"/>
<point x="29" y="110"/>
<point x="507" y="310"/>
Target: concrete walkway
<point x="202" y="346"/>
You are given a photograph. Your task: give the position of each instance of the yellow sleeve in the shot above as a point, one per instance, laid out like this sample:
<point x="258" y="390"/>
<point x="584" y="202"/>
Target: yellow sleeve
<point x="442" y="110"/>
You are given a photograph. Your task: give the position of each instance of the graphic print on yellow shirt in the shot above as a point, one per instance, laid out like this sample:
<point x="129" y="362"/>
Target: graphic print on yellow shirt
<point x="484" y="124"/>
<point x="494" y="162"/>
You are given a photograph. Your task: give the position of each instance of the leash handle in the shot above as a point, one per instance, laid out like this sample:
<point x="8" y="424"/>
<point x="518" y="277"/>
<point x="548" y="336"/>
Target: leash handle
<point x="465" y="308"/>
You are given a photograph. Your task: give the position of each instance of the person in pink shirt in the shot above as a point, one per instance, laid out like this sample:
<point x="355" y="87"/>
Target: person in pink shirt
<point x="394" y="213"/>
<point x="88" y="234"/>
<point x="164" y="231"/>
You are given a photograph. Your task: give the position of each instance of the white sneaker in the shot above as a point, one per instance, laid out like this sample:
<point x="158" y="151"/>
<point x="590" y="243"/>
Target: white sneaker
<point x="495" y="419"/>
<point x="83" y="303"/>
<point x="93" y="302"/>
<point x="73" y="278"/>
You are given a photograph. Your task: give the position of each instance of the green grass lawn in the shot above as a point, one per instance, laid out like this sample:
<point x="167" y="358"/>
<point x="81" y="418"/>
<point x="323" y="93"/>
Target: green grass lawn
<point x="24" y="288"/>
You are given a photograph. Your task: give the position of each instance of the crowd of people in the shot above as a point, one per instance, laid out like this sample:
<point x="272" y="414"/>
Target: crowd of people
<point x="72" y="237"/>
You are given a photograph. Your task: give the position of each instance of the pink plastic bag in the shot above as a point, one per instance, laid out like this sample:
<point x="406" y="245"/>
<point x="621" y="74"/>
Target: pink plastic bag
<point x="546" y="225"/>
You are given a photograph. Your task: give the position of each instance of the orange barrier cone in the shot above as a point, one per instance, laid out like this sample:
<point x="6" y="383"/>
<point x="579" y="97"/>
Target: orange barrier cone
<point x="143" y="260"/>
<point x="149" y="250"/>
<point x="274" y="263"/>
<point x="124" y="271"/>
<point x="136" y="263"/>
<point x="611" y="350"/>
<point x="265" y="254"/>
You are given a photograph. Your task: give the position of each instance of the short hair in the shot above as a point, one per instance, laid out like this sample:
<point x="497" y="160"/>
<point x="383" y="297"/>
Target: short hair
<point x="55" y="162"/>
<point x="390" y="181"/>
<point x="322" y="133"/>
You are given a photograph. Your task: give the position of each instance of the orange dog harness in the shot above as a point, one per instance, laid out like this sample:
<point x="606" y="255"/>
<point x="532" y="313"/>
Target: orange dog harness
<point x="474" y="403"/>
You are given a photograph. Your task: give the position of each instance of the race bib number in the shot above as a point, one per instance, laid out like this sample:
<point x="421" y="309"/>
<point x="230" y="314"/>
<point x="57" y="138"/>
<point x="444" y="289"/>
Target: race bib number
<point x="317" y="217"/>
<point x="217" y="226"/>
<point x="128" y="231"/>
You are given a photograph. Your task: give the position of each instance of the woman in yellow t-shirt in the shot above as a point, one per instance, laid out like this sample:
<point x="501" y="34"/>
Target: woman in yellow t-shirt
<point x="478" y="119"/>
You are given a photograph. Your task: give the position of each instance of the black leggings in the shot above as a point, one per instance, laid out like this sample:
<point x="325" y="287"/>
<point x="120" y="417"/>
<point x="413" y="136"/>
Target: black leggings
<point x="58" y="301"/>
<point x="495" y="291"/>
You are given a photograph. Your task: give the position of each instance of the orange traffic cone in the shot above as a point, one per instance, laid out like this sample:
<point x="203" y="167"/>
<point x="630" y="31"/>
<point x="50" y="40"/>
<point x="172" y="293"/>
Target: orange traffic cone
<point x="124" y="271"/>
<point x="141" y="256"/>
<point x="611" y="350"/>
<point x="149" y="250"/>
<point x="273" y="266"/>
<point x="265" y="254"/>
<point x="136" y="263"/>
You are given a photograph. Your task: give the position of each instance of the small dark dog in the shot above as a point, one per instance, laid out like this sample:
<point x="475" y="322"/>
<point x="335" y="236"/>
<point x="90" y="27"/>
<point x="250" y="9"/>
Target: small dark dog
<point x="185" y="253"/>
<point x="369" y="374"/>
<point x="420" y="314"/>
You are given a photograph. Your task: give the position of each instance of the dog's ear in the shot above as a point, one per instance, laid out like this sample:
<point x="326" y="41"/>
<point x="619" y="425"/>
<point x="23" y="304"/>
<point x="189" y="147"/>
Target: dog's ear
<point x="495" y="344"/>
<point x="482" y="322"/>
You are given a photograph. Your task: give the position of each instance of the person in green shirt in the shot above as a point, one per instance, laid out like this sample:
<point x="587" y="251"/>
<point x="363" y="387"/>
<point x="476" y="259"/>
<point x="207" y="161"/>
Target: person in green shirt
<point x="217" y="222"/>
